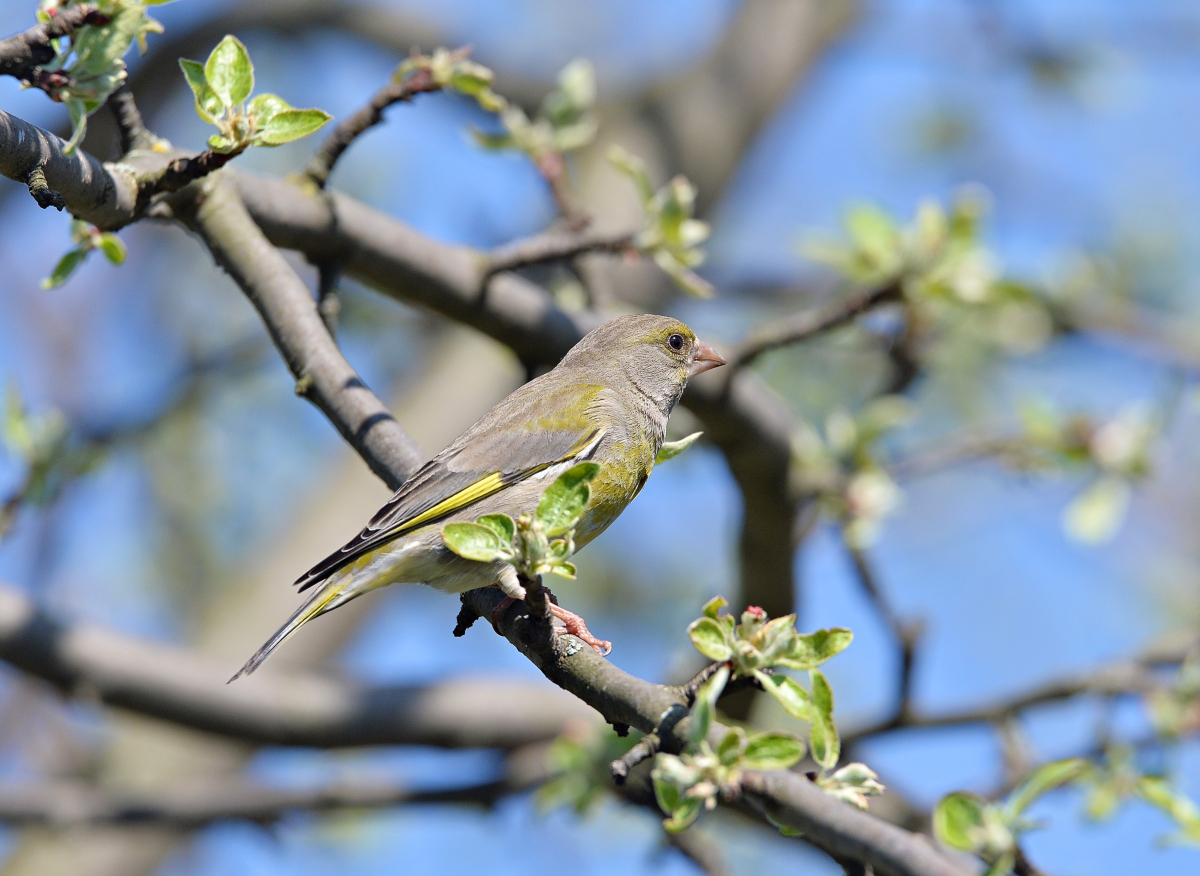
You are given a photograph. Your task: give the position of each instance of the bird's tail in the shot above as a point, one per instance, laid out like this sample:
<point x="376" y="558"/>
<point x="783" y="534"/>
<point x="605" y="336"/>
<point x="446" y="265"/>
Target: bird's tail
<point x="334" y="593"/>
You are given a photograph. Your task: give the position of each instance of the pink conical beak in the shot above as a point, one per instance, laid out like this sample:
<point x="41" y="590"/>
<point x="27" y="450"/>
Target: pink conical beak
<point x="704" y="358"/>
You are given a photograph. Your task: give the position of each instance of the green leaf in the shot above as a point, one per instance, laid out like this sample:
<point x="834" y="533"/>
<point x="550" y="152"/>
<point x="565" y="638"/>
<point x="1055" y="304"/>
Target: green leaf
<point x="1095" y="514"/>
<point x="208" y="105"/>
<point x="501" y="524"/>
<point x="826" y="747"/>
<point x="564" y="570"/>
<point x="706" y="705"/>
<point x="713" y="607"/>
<point x="565" y="500"/>
<point x="671" y="449"/>
<point x="290" y="124"/>
<point x="1044" y="778"/>
<point x="78" y="112"/>
<point x="474" y="542"/>
<point x="66" y="266"/>
<point x="666" y="793"/>
<point x="810" y="650"/>
<point x="709" y="638"/>
<point x="112" y="247"/>
<point x="772" y="751"/>
<point x="958" y="820"/>
<point x="683" y="817"/>
<point x="730" y="749"/>
<point x="264" y="107"/>
<point x="784" y="829"/>
<point x="787" y="693"/>
<point x="221" y="143"/>
<point x="229" y="72"/>
<point x="1004" y="864"/>
<point x="634" y="168"/>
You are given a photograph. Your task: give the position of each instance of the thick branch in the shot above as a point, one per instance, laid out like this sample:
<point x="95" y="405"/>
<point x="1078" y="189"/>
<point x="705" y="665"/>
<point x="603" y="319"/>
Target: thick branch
<point x="788" y="798"/>
<point x="347" y="131"/>
<point x="196" y="804"/>
<point x="131" y="128"/>
<point x="287" y="308"/>
<point x="20" y="54"/>
<point x="808" y="324"/>
<point x="274" y="708"/>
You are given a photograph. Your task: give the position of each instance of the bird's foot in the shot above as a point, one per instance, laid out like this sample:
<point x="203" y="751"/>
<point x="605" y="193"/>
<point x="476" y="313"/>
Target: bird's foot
<point x="573" y="625"/>
<point x="497" y="613"/>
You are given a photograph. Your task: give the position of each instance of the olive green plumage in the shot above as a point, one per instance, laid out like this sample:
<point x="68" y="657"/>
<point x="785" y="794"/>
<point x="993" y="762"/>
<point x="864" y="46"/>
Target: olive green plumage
<point x="608" y="401"/>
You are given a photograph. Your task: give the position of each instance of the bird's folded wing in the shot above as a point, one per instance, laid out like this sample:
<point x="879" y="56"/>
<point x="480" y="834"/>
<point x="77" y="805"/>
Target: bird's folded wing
<point x="487" y="458"/>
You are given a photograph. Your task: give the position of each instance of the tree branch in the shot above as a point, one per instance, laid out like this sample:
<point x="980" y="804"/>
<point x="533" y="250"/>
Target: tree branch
<point x="808" y="324"/>
<point x="287" y="308"/>
<point x="21" y="54"/>
<point x="195" y="805"/>
<point x="787" y="798"/>
<point x="420" y="81"/>
<point x="131" y="128"/>
<point x="1127" y="677"/>
<point x="552" y="246"/>
<point x="273" y="708"/>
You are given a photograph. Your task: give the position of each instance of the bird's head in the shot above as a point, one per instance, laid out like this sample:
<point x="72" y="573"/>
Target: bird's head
<point x="659" y="353"/>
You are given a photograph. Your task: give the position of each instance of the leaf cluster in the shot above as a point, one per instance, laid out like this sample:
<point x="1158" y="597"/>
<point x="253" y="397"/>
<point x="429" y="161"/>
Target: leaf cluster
<point x="86" y="237"/>
<point x="670" y="234"/>
<point x="757" y="647"/>
<point x="688" y="784"/>
<point x="90" y="60"/>
<point x="565" y="121"/>
<point x="843" y="465"/>
<point x="535" y="544"/>
<point x="222" y="86"/>
<point x="991" y="831"/>
<point x="44" y="443"/>
<point x="1117" y="778"/>
<point x="951" y="281"/>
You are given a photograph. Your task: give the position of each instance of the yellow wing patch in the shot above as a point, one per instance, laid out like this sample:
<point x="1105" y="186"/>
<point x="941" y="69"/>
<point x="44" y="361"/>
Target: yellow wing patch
<point x="481" y="489"/>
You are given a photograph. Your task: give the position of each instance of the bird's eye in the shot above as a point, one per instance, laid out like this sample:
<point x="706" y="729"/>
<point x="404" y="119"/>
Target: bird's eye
<point x="676" y="342"/>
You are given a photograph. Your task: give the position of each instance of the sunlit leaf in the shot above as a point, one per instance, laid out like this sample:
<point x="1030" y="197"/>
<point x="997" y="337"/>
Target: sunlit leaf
<point x="787" y="693"/>
<point x="710" y="639"/>
<point x="1095" y="515"/>
<point x="66" y="266"/>
<point x="229" y="72"/>
<point x="671" y="449"/>
<point x="823" y="735"/>
<point x="474" y="542"/>
<point x="566" y="499"/>
<point x="958" y="820"/>
<point x="705" y="705"/>
<point x="772" y="751"/>
<point x="290" y="124"/>
<point x="1043" y="779"/>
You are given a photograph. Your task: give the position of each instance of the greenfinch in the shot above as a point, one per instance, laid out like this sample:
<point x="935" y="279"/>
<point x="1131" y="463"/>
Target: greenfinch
<point x="607" y="401"/>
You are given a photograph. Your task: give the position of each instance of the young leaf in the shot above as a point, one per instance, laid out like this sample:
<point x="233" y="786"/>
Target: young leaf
<point x="634" y="168"/>
<point x="709" y="638"/>
<point x="564" y="570"/>
<point x="671" y="449"/>
<point x="474" y="542"/>
<point x="1095" y="515"/>
<point x="772" y="751"/>
<point x="66" y="266"/>
<point x="730" y="749"/>
<point x="787" y="693"/>
<point x="713" y="607"/>
<point x="564" y="501"/>
<point x="958" y="820"/>
<point x="826" y="747"/>
<point x="208" y="105"/>
<point x="812" y="649"/>
<point x="681" y="818"/>
<point x="264" y="107"/>
<point x="290" y="124"/>
<point x="1044" y="778"/>
<point x="229" y="72"/>
<point x="112" y="247"/>
<point x="706" y="705"/>
<point x="501" y="524"/>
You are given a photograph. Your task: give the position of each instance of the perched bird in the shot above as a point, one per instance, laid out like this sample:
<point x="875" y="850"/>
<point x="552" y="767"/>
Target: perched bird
<point x="607" y="401"/>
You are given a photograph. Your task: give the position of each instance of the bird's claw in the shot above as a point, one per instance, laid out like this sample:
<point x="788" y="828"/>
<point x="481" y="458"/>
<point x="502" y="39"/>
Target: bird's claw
<point x="574" y="625"/>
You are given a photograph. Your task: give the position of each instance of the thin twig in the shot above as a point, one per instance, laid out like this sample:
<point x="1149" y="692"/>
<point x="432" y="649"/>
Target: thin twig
<point x="420" y="81"/>
<point x="905" y="634"/>
<point x="551" y="247"/>
<point x="130" y="126"/>
<point x="692" y="687"/>
<point x="182" y="172"/>
<point x="809" y="323"/>
<point x="22" y="54"/>
<point x="553" y="168"/>
<point x="646" y="748"/>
